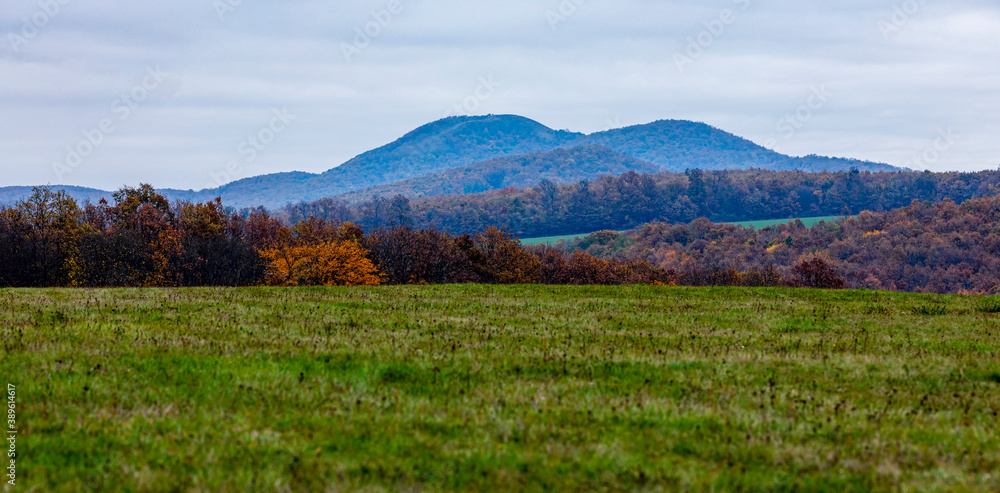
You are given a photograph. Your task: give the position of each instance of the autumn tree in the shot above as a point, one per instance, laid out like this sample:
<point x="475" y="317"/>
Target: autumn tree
<point x="409" y="256"/>
<point x="39" y="240"/>
<point x="215" y="251"/>
<point x="498" y="258"/>
<point x="318" y="255"/>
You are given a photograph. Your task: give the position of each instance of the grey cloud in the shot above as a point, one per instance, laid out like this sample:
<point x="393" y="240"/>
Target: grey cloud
<point x="604" y="64"/>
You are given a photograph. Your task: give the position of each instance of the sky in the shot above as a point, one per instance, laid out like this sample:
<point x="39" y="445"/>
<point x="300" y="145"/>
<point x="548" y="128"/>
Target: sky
<point x="192" y="94"/>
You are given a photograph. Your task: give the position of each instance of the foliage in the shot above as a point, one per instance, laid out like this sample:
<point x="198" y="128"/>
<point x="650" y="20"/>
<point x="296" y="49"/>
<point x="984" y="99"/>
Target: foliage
<point x="142" y="240"/>
<point x="39" y="241"/>
<point x="319" y="253"/>
<point x="817" y="273"/>
<point x="499" y="259"/>
<point x="552" y="167"/>
<point x="940" y="248"/>
<point x="633" y="199"/>
<point x="409" y="256"/>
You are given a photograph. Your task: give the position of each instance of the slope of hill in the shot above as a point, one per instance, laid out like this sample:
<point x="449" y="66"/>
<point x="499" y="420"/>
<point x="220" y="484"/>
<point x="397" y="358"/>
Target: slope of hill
<point x="560" y="166"/>
<point x="456" y="142"/>
<point x="449" y="143"/>
<point x="432" y="148"/>
<point x="10" y="195"/>
<point x="624" y="202"/>
<point x="677" y="145"/>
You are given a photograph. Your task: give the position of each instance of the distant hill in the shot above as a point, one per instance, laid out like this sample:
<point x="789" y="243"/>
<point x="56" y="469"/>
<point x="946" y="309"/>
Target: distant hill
<point x="677" y="145"/>
<point x="435" y="147"/>
<point x="458" y="142"/>
<point x="11" y="195"/>
<point x="561" y="166"/>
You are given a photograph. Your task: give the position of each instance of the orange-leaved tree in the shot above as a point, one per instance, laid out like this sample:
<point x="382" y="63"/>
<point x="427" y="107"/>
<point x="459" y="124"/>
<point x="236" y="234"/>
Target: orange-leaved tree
<point x="334" y="258"/>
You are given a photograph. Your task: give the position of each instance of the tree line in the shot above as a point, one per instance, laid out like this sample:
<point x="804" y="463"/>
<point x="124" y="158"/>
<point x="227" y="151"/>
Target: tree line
<point x="141" y="239"/>
<point x="930" y="247"/>
<point x="633" y="199"/>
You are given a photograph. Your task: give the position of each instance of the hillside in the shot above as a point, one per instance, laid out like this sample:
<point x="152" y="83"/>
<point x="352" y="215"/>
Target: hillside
<point x="632" y="199"/>
<point x="435" y="147"/>
<point x="677" y="145"/>
<point x="938" y="247"/>
<point x="457" y="142"/>
<point x="560" y="166"/>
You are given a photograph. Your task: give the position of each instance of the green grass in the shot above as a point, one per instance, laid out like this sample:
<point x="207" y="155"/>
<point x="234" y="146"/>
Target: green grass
<point x="807" y="221"/>
<point x="552" y="240"/>
<point x="526" y="388"/>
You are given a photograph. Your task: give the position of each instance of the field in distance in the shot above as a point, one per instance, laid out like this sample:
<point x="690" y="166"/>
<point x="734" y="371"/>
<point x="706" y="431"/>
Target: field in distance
<point x="807" y="221"/>
<point x="487" y="388"/>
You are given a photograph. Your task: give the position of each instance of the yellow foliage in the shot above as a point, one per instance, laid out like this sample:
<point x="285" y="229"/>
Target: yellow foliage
<point x="874" y="233"/>
<point x="969" y="292"/>
<point x="329" y="263"/>
<point x="773" y="247"/>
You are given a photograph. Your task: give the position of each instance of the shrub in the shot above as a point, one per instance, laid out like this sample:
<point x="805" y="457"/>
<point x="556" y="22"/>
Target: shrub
<point x="817" y="273"/>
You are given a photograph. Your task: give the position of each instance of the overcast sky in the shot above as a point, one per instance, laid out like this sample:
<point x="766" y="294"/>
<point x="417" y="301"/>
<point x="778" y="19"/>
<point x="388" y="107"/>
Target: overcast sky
<point x="103" y="93"/>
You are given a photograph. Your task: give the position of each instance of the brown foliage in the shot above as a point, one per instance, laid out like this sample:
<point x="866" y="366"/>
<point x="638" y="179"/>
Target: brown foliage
<point x="498" y="258"/>
<point x="817" y="273"/>
<point x="409" y="256"/>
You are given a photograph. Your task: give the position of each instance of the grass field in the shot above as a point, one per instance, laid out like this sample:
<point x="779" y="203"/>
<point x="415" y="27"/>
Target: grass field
<point x="808" y="221"/>
<point x="552" y="240"/>
<point x="478" y="388"/>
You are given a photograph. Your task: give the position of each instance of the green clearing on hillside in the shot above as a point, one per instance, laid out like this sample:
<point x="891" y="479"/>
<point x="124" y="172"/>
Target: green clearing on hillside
<point x="552" y="240"/>
<point x="807" y="221"/>
<point x="483" y="388"/>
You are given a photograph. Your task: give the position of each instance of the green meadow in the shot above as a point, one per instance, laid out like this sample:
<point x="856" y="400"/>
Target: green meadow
<point x="807" y="221"/>
<point x="490" y="388"/>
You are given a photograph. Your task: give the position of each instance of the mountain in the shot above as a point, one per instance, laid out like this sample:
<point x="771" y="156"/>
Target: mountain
<point x="457" y="142"/>
<point x="438" y="146"/>
<point x="677" y="145"/>
<point x="560" y="166"/>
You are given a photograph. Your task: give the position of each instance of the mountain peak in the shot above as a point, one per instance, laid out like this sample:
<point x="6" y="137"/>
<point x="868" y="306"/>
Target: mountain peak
<point x="460" y="141"/>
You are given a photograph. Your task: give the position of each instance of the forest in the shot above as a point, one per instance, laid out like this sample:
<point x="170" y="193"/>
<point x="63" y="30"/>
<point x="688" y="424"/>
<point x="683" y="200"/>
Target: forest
<point x="143" y="240"/>
<point x="925" y="247"/>
<point x="633" y="199"/>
